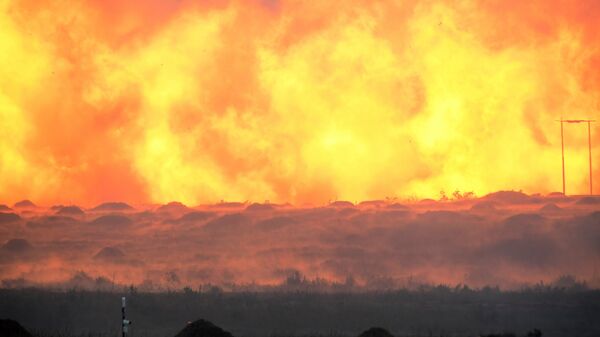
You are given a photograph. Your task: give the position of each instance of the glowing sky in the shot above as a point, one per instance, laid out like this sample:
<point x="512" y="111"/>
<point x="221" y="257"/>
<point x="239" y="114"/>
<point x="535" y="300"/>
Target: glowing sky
<point x="293" y="101"/>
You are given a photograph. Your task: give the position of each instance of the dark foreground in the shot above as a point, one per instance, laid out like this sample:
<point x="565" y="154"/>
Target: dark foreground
<point x="439" y="311"/>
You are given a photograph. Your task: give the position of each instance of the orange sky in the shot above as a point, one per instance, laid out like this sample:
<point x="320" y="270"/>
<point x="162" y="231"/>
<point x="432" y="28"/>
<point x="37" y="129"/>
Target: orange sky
<point x="293" y="101"/>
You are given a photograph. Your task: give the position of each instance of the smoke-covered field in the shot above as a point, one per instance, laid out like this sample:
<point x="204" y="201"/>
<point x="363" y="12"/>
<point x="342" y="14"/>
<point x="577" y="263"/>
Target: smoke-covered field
<point x="460" y="267"/>
<point x="505" y="239"/>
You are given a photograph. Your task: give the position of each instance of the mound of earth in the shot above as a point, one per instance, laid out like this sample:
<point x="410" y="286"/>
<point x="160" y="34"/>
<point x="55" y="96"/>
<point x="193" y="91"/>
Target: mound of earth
<point x="260" y="207"/>
<point x="173" y="206"/>
<point x="4" y="208"/>
<point x="372" y="203"/>
<point x="229" y="205"/>
<point x="195" y="216"/>
<point x="376" y="332"/>
<point x="112" y="220"/>
<point x="397" y="206"/>
<point x="11" y="328"/>
<point x="109" y="254"/>
<point x="558" y="197"/>
<point x="341" y="203"/>
<point x="112" y="206"/>
<point x="17" y="246"/>
<point x="524" y="219"/>
<point x="509" y="197"/>
<point x="70" y="210"/>
<point x="550" y="207"/>
<point x="24" y="204"/>
<point x="202" y="328"/>
<point x="51" y="221"/>
<point x="9" y="217"/>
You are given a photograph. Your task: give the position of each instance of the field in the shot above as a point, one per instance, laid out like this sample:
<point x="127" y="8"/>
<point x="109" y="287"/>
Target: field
<point x="429" y="311"/>
<point x="505" y="262"/>
<point x="506" y="239"/>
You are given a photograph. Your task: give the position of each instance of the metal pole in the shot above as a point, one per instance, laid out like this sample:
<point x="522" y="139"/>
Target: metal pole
<point x="590" y="155"/>
<point x="123" y="326"/>
<point x="562" y="145"/>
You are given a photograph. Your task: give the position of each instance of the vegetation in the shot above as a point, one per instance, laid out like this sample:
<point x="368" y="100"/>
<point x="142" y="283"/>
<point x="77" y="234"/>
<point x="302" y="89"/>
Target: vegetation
<point x="429" y="311"/>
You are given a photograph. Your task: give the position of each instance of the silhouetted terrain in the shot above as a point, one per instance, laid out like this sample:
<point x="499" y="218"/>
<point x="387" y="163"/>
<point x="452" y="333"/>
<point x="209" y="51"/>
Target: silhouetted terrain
<point x="432" y="311"/>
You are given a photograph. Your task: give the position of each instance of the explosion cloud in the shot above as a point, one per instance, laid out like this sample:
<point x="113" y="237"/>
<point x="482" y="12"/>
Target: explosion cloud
<point x="292" y="101"/>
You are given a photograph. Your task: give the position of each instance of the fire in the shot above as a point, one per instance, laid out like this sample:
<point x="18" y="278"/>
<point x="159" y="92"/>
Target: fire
<point x="291" y="101"/>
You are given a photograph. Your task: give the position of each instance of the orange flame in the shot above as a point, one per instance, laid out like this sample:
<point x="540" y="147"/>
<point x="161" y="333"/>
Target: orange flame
<point x="151" y="101"/>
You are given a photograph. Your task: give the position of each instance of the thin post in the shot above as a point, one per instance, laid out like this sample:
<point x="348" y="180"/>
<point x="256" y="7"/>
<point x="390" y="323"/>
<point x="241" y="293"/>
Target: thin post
<point x="590" y="154"/>
<point x="123" y="325"/>
<point x="562" y="145"/>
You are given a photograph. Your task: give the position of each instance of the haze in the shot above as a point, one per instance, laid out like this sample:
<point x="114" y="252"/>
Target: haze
<point x="506" y="239"/>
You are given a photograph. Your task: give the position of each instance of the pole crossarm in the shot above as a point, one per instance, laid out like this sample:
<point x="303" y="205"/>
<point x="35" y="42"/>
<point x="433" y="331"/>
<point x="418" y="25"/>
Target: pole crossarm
<point x="575" y="120"/>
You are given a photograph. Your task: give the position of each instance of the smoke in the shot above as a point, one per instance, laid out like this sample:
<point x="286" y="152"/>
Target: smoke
<point x="376" y="247"/>
<point x="290" y="101"/>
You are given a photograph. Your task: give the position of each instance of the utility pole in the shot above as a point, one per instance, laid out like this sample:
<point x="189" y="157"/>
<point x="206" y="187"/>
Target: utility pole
<point x="562" y="145"/>
<point x="590" y="153"/>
